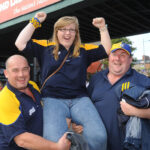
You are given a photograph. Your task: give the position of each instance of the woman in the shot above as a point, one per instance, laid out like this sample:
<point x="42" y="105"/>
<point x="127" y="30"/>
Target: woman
<point x="64" y="94"/>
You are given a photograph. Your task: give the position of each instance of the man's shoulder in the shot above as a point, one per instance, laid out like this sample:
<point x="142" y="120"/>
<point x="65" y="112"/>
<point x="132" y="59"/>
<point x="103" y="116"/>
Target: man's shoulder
<point x="139" y="75"/>
<point x="5" y="92"/>
<point x="139" y="78"/>
<point x="9" y="105"/>
<point x="98" y="75"/>
<point x="8" y="100"/>
<point x="97" y="78"/>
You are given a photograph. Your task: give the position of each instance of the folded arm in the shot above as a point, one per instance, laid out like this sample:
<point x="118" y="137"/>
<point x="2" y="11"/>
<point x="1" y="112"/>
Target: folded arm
<point x="134" y="111"/>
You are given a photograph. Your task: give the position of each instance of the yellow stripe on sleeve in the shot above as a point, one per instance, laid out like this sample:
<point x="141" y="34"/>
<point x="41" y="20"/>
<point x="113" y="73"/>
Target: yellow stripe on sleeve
<point x="125" y="86"/>
<point x="44" y="43"/>
<point x="89" y="46"/>
<point x="122" y="87"/>
<point x="128" y="85"/>
<point x="9" y="107"/>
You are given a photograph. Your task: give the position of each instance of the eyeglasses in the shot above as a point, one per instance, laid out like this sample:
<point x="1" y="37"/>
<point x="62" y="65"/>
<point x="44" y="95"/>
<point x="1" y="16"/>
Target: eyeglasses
<point x="65" y="30"/>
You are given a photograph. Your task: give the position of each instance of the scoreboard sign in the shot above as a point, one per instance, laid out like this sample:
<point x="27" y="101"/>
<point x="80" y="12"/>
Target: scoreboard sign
<point x="10" y="9"/>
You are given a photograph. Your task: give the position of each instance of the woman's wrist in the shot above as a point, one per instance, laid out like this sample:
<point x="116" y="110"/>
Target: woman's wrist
<point x="35" y="22"/>
<point x="102" y="29"/>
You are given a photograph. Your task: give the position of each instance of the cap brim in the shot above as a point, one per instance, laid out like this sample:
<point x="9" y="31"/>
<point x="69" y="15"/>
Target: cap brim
<point x="120" y="48"/>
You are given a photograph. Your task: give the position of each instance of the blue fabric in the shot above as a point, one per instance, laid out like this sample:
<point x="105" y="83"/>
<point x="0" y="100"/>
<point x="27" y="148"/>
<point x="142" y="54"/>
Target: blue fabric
<point x="130" y="142"/>
<point x="69" y="81"/>
<point x="142" y="102"/>
<point x="145" y="134"/>
<point x="133" y="125"/>
<point x="77" y="141"/>
<point x="133" y="134"/>
<point x="107" y="102"/>
<point x="81" y="111"/>
<point x="137" y="96"/>
<point x="137" y="130"/>
<point x="26" y="122"/>
<point x="134" y="91"/>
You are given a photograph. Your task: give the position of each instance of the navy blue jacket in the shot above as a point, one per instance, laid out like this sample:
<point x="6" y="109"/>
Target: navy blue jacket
<point x="137" y="139"/>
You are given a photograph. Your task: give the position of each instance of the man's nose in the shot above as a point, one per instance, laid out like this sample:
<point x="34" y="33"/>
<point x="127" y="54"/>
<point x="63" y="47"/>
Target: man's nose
<point x="117" y="57"/>
<point x="20" y="73"/>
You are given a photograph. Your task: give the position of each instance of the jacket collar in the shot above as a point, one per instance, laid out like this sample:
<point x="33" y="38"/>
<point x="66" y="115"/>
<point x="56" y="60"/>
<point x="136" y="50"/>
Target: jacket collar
<point x="105" y="73"/>
<point x="14" y="90"/>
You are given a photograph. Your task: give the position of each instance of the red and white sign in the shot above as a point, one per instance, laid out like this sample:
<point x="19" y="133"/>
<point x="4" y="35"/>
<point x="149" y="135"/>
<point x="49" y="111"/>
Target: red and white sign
<point x="10" y="9"/>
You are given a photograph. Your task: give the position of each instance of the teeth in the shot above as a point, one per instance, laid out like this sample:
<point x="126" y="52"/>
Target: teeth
<point x="67" y="38"/>
<point x="117" y="64"/>
<point x="21" y="80"/>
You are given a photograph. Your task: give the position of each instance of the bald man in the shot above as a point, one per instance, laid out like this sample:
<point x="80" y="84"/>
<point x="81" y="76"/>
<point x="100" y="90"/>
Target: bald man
<point x="21" y="114"/>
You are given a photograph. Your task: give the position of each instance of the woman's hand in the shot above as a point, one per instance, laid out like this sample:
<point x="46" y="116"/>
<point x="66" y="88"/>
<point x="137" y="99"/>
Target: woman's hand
<point x="99" y="22"/>
<point x="77" y="128"/>
<point x="41" y="16"/>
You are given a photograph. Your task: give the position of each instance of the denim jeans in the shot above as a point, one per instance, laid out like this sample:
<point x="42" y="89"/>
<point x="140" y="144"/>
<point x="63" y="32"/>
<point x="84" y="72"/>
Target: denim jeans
<point x="81" y="111"/>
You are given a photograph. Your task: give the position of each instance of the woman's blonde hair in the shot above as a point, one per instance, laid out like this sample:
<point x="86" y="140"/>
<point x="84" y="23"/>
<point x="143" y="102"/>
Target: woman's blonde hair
<point x="60" y="23"/>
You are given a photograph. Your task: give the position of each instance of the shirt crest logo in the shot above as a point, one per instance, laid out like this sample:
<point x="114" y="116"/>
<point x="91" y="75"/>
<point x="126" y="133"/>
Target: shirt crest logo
<point x="31" y="111"/>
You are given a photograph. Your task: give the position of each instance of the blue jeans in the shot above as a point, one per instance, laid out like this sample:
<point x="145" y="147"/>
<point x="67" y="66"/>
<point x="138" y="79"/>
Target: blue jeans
<point x="81" y="111"/>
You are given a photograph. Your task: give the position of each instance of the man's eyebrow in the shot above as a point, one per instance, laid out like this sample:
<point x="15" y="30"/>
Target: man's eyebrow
<point x="26" y="67"/>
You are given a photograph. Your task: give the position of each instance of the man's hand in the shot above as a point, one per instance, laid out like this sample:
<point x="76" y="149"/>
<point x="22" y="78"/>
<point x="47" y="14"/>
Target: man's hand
<point x="41" y="16"/>
<point x="99" y="22"/>
<point x="64" y="143"/>
<point x="128" y="109"/>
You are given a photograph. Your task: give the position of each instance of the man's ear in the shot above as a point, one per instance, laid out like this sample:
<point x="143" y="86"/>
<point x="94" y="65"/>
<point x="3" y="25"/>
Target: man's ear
<point x="5" y="73"/>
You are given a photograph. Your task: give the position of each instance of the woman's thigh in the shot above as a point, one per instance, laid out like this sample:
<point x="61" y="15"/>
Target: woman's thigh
<point x="84" y="112"/>
<point x="55" y="112"/>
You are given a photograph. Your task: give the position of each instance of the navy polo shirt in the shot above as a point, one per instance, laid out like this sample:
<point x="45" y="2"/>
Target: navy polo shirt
<point x="19" y="114"/>
<point x="69" y="81"/>
<point x="106" y="98"/>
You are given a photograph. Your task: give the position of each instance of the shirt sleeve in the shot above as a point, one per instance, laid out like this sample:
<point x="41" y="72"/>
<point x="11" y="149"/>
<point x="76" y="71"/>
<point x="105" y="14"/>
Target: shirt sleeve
<point x="12" y="130"/>
<point x="32" y="48"/>
<point x="95" y="53"/>
<point x="12" y="122"/>
<point x="91" y="85"/>
<point x="39" y="49"/>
